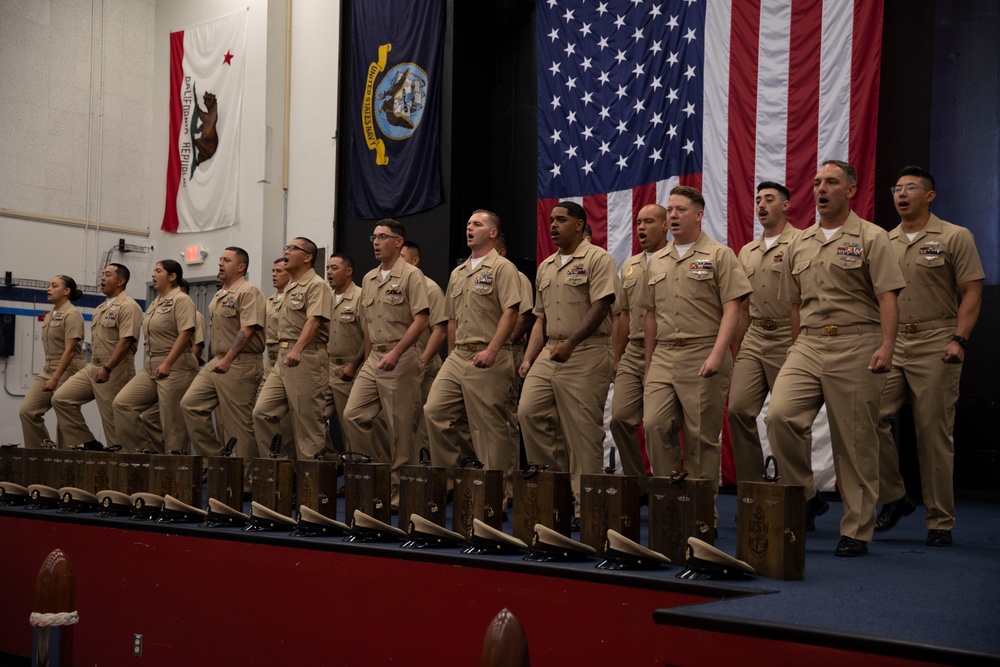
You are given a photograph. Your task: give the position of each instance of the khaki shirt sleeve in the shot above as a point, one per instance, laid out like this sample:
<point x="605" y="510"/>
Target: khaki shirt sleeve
<point x="130" y="321"/>
<point x="449" y="301"/>
<point x="603" y="277"/>
<point x="883" y="265"/>
<point x="319" y="300"/>
<point x="199" y="329"/>
<point x="508" y="285"/>
<point x="73" y="326"/>
<point x="253" y="312"/>
<point x="732" y="277"/>
<point x="438" y="313"/>
<point x="416" y="292"/>
<point x="185" y="315"/>
<point x="543" y="280"/>
<point x="789" y="289"/>
<point x="965" y="258"/>
<point x="527" y="295"/>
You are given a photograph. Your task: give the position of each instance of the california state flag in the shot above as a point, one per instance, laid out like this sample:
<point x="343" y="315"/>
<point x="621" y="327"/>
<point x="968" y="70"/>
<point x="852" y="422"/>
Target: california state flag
<point x="206" y="96"/>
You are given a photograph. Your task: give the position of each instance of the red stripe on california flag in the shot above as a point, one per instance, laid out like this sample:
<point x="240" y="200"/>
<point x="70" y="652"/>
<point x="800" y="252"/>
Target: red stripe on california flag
<point x="596" y="208"/>
<point x="170" y="222"/>
<point x="803" y="109"/>
<point x="641" y="196"/>
<point x="865" y="74"/>
<point x="743" y="70"/>
<point x="543" y="240"/>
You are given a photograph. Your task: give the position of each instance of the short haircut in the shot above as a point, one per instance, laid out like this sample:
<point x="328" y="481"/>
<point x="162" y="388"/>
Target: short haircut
<point x="771" y="185"/>
<point x="694" y="194"/>
<point x="242" y="257"/>
<point x="395" y="226"/>
<point x="588" y="231"/>
<point x="282" y="260"/>
<point x="343" y="257"/>
<point x="919" y="172"/>
<point x="173" y="266"/>
<point x="122" y="271"/>
<point x="74" y="292"/>
<point x="490" y="215"/>
<point x="412" y="247"/>
<point x="500" y="243"/>
<point x="573" y="209"/>
<point x="307" y="245"/>
<point x="849" y="171"/>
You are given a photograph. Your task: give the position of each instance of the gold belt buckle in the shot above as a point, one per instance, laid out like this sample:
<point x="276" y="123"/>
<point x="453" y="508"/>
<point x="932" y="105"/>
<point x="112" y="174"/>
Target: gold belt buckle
<point x="910" y="327"/>
<point x="283" y="344"/>
<point x="830" y="330"/>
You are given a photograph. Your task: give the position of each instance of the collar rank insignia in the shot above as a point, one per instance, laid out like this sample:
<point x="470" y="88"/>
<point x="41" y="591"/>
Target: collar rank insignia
<point x="576" y="270"/>
<point x="631" y="268"/>
<point x="393" y="289"/>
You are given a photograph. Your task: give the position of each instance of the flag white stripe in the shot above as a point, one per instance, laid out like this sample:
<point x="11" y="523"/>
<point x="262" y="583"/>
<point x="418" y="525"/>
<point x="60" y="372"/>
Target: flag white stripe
<point x="620" y="226"/>
<point x="772" y="98"/>
<point x="715" y="134"/>
<point x="663" y="189"/>
<point x="835" y="81"/>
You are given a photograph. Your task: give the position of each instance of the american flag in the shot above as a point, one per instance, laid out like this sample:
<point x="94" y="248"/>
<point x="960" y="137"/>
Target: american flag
<point x="637" y="96"/>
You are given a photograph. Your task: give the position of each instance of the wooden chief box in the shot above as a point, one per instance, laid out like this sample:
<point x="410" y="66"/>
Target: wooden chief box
<point x="478" y="494"/>
<point x="680" y="507"/>
<point x="608" y="502"/>
<point x="423" y="490"/>
<point x="69" y="468"/>
<point x="132" y="473"/>
<point x="99" y="471"/>
<point x="771" y="529"/>
<point x="12" y="464"/>
<point x="366" y="488"/>
<point x="224" y="480"/>
<point x="178" y="475"/>
<point x="316" y="486"/>
<point x="541" y="497"/>
<point x="271" y="482"/>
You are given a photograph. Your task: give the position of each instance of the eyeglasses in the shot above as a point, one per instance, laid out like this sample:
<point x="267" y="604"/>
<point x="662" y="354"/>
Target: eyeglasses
<point x="383" y="237"/>
<point x="294" y="247"/>
<point x="909" y="187"/>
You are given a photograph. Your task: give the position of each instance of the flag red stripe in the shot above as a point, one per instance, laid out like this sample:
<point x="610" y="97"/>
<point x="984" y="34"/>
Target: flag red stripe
<point x="543" y="241"/>
<point x="743" y="53"/>
<point x="596" y="208"/>
<point x="865" y="74"/>
<point x="693" y="180"/>
<point x="170" y="222"/>
<point x="803" y="109"/>
<point x="641" y="196"/>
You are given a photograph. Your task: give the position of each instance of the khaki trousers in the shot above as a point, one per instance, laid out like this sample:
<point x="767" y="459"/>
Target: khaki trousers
<point x="37" y="402"/>
<point x="626" y="412"/>
<point x="231" y="396"/>
<point x="932" y="386"/>
<point x="143" y="392"/>
<point x="567" y="399"/>
<point x="831" y="370"/>
<point x="393" y="395"/>
<point x="81" y="389"/>
<point x="298" y="393"/>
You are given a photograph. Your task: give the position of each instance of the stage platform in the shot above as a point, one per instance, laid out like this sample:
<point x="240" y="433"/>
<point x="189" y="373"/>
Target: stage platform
<point x="226" y="597"/>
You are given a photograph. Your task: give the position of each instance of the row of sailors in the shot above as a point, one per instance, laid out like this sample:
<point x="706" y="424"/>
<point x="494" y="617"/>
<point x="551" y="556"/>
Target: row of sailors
<point x="813" y="316"/>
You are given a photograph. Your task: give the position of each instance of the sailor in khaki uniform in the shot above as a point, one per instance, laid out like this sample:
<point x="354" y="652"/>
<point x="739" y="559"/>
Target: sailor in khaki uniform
<point x="474" y="384"/>
<point x="272" y="307"/>
<point x="228" y="383"/>
<point x="430" y="342"/>
<point x="62" y="333"/>
<point x="168" y="369"/>
<point x="841" y="278"/>
<point x="764" y="332"/>
<point x="297" y="385"/>
<point x="114" y="333"/>
<point x="518" y="340"/>
<point x="567" y="385"/>
<point x="630" y="355"/>
<point x="692" y="306"/>
<point x="346" y="337"/>
<point x="937" y="310"/>
<point x="394" y="307"/>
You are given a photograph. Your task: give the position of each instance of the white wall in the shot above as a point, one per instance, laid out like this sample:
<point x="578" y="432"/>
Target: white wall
<point x="83" y="136"/>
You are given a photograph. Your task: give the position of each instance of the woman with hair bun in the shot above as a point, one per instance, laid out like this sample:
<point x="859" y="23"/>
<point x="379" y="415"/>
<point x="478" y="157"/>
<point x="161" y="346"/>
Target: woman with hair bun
<point x="168" y="369"/>
<point x="62" y="332"/>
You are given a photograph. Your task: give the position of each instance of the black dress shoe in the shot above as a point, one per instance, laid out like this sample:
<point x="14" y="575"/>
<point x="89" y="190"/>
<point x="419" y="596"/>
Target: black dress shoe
<point x="938" y="538"/>
<point x="815" y="507"/>
<point x="892" y="512"/>
<point x="849" y="547"/>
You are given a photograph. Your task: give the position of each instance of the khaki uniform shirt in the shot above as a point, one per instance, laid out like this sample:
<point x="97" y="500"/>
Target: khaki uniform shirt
<point x="527" y="302"/>
<point x="938" y="259"/>
<point x="242" y="305"/>
<point x="167" y="316"/>
<point x="346" y="333"/>
<point x="438" y="313"/>
<point x="309" y="296"/>
<point x="478" y="297"/>
<point x="566" y="291"/>
<point x="111" y="323"/>
<point x="763" y="268"/>
<point x="389" y="304"/>
<point x="687" y="293"/>
<point x="272" y="308"/>
<point x="57" y="327"/>
<point x="633" y="283"/>
<point x="199" y="329"/>
<point x="836" y="281"/>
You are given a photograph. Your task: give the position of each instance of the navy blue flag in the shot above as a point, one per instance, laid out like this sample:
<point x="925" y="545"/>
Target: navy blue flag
<point x="396" y="107"/>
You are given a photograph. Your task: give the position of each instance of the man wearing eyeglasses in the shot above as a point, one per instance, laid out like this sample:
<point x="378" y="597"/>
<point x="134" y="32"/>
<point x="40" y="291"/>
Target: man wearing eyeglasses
<point x="937" y="310"/>
<point x="842" y="279"/>
<point x="297" y="386"/>
<point x="394" y="313"/>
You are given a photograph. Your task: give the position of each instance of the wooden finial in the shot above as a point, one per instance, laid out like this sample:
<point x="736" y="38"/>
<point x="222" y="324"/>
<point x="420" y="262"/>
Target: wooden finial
<point x="505" y="644"/>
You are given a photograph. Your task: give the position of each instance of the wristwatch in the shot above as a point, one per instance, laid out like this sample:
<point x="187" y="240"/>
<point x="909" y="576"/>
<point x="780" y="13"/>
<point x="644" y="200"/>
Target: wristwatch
<point x="109" y="369"/>
<point x="961" y="340"/>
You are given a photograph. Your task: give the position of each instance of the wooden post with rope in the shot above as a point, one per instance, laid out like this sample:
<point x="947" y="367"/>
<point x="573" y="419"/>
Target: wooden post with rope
<point x="505" y="644"/>
<point x="55" y="615"/>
